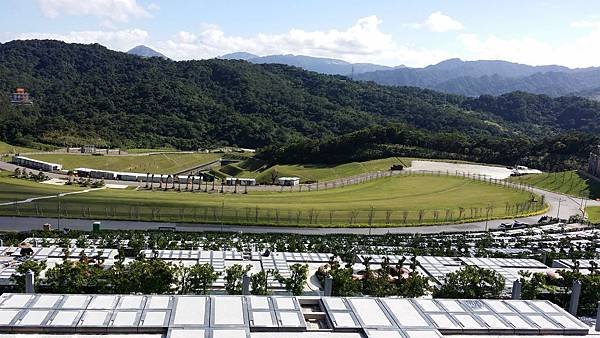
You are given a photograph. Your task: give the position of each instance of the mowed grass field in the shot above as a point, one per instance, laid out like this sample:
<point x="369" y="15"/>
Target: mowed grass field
<point x="6" y="148"/>
<point x="157" y="163"/>
<point x="593" y="214"/>
<point x="390" y="201"/>
<point x="253" y="168"/>
<point x="566" y="182"/>
<point x="12" y="189"/>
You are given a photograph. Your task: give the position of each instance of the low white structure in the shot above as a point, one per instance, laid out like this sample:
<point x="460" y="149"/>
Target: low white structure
<point x="239" y="181"/>
<point x="24" y="315"/>
<point x="288" y="181"/>
<point x="36" y="164"/>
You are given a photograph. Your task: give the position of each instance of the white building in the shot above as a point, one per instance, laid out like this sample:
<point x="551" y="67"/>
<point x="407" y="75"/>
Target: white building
<point x="239" y="181"/>
<point x="36" y="164"/>
<point x="288" y="181"/>
<point x="158" y="316"/>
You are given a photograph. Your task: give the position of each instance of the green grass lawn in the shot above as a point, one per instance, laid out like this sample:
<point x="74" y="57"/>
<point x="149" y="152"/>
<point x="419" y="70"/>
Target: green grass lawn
<point x="6" y="148"/>
<point x="399" y="200"/>
<point x="566" y="182"/>
<point x="254" y="168"/>
<point x="593" y="214"/>
<point x="157" y="163"/>
<point x="12" y="189"/>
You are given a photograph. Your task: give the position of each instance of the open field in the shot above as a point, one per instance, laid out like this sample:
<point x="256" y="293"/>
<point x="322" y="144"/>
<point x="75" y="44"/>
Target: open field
<point x="150" y="150"/>
<point x="391" y="201"/>
<point x="157" y="163"/>
<point x="566" y="182"/>
<point x="594" y="214"/>
<point x="12" y="189"/>
<point x="6" y="148"/>
<point x="254" y="168"/>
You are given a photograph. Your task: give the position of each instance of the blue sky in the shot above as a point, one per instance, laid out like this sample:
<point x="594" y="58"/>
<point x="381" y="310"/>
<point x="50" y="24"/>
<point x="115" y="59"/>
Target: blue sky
<point x="414" y="33"/>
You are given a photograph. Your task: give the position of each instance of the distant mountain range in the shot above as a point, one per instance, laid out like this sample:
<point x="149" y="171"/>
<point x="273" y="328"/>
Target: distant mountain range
<point x="145" y="51"/>
<point x="315" y="64"/>
<point x="455" y="76"/>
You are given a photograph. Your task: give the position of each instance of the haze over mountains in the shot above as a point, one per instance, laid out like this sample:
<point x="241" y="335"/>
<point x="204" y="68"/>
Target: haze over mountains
<point x="315" y="64"/>
<point x="470" y="78"/>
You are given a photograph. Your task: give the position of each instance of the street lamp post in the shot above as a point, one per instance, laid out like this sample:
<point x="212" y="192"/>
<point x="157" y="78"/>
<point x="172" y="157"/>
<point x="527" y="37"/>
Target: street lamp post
<point x="558" y="210"/>
<point x="58" y="199"/>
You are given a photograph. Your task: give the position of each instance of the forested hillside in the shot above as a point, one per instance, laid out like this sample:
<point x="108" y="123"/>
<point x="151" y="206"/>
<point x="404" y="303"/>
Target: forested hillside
<point x="87" y="94"/>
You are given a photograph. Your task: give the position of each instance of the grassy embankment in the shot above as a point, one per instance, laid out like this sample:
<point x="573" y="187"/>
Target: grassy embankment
<point x="593" y="214"/>
<point x="566" y="182"/>
<point x="390" y="201"/>
<point x="255" y="168"/>
<point x="156" y="163"/>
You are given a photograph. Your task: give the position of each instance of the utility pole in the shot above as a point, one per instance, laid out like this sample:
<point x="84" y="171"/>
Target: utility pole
<point x="558" y="211"/>
<point x="58" y="199"/>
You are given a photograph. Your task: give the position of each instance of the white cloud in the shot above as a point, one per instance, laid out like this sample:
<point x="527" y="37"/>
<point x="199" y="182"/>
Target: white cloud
<point x="362" y="42"/>
<point x="119" y="40"/>
<point x="439" y="22"/>
<point x="114" y="10"/>
<point x="586" y="24"/>
<point x="579" y="52"/>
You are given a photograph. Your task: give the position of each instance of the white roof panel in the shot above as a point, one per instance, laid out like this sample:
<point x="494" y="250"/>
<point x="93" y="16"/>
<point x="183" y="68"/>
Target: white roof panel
<point x="343" y="319"/>
<point x="154" y="318"/>
<point x="522" y="306"/>
<point x="259" y="303"/>
<point x="125" y="318"/>
<point x="384" y="334"/>
<point x="405" y="312"/>
<point x="542" y="322"/>
<point x="335" y="303"/>
<point x="16" y="301"/>
<point x="46" y="301"/>
<point x="369" y="312"/>
<point x="442" y="320"/>
<point x="423" y="334"/>
<point x="285" y="303"/>
<point x="290" y="319"/>
<point x="228" y="333"/>
<point x="186" y="333"/>
<point x="493" y="322"/>
<point x="158" y="302"/>
<point x="498" y="306"/>
<point x="451" y="305"/>
<point x="64" y="318"/>
<point x="34" y="317"/>
<point x="75" y="302"/>
<point x="103" y="302"/>
<point x="467" y="321"/>
<point x="130" y="302"/>
<point x="228" y="310"/>
<point x="189" y="311"/>
<point x="262" y="319"/>
<point x="6" y="316"/>
<point x="428" y="305"/>
<point x="94" y="318"/>
<point x="517" y="322"/>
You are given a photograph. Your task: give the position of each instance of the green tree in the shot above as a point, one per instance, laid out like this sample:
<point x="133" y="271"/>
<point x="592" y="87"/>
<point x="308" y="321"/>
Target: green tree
<point x="259" y="283"/>
<point x="19" y="276"/>
<point x="201" y="277"/>
<point x="298" y="277"/>
<point x="233" y="278"/>
<point x="472" y="282"/>
<point x="416" y="285"/>
<point x="76" y="277"/>
<point x="343" y="283"/>
<point x="143" y="276"/>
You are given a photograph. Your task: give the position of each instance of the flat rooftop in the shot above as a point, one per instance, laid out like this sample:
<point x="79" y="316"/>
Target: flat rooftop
<point x="25" y="315"/>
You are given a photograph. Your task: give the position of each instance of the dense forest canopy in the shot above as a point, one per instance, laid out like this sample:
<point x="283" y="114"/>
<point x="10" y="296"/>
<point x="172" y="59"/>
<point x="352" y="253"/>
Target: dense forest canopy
<point x="87" y="94"/>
